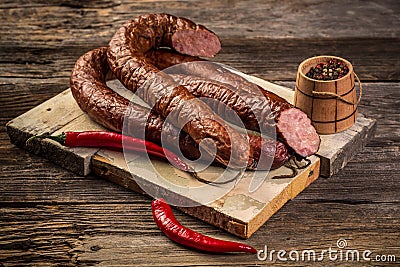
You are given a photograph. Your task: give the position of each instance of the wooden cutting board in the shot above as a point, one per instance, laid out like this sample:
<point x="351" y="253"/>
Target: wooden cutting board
<point x="239" y="211"/>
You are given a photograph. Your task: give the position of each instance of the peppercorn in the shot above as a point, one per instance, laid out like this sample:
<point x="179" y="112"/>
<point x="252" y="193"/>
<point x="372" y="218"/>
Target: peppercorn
<point x="332" y="70"/>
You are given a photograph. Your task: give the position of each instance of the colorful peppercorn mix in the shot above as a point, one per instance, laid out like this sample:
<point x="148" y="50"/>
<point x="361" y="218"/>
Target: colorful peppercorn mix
<point x="334" y="69"/>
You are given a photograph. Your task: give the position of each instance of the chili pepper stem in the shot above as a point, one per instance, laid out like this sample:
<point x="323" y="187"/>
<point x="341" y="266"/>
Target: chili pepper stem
<point x="58" y="138"/>
<point x="112" y="140"/>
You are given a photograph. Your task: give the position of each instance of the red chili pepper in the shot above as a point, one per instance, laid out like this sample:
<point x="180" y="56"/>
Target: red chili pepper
<point x="166" y="221"/>
<point x="115" y="141"/>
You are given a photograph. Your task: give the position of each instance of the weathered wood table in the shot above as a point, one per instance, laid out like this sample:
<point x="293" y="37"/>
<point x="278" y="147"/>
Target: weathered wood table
<point x="50" y="216"/>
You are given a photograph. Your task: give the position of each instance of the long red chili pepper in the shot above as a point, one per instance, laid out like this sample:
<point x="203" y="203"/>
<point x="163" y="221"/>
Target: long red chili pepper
<point x="166" y="221"/>
<point x="116" y="141"/>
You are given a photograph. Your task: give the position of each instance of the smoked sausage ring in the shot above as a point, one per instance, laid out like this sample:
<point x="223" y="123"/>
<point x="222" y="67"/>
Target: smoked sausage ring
<point x="258" y="109"/>
<point x="127" y="60"/>
<point x="106" y="107"/>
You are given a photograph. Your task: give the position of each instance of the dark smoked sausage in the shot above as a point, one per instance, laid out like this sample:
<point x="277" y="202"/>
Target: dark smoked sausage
<point x="126" y="57"/>
<point x="103" y="105"/>
<point x="257" y="108"/>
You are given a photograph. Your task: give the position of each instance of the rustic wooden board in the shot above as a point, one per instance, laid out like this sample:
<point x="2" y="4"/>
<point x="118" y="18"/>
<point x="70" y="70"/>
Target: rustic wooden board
<point x="239" y="212"/>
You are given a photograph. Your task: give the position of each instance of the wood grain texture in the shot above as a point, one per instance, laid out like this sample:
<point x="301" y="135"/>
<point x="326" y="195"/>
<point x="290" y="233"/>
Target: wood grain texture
<point x="234" y="207"/>
<point x="270" y="43"/>
<point x="49" y="216"/>
<point x="228" y="18"/>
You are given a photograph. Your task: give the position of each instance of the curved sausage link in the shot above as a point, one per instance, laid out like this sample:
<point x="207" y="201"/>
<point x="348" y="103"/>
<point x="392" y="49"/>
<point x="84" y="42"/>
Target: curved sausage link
<point x="106" y="107"/>
<point x="258" y="109"/>
<point x="126" y="56"/>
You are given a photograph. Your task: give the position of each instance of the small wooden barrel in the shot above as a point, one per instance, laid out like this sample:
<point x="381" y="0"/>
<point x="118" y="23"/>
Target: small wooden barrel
<point x="331" y="105"/>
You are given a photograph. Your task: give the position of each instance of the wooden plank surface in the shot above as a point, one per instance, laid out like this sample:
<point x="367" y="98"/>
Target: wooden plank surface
<point x="49" y="216"/>
<point x="234" y="207"/>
